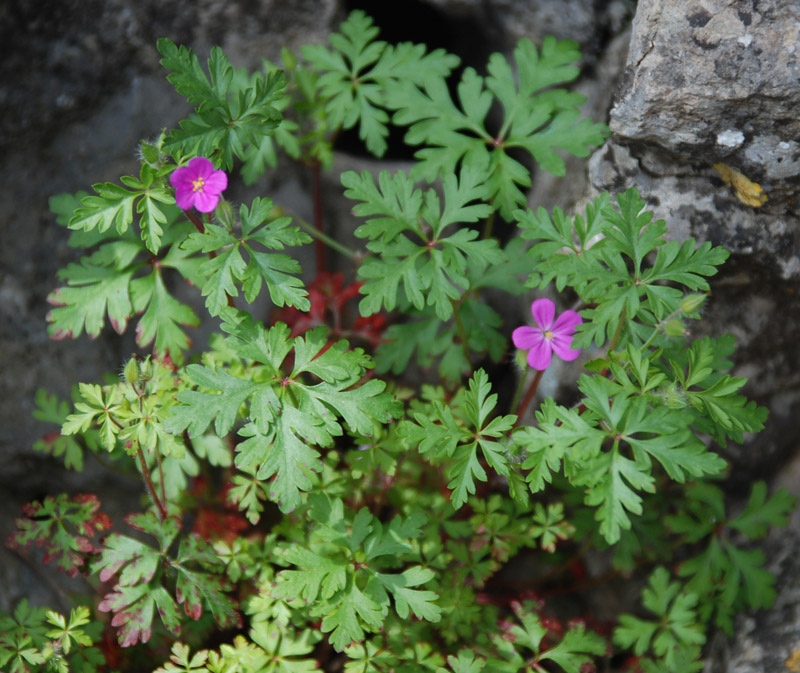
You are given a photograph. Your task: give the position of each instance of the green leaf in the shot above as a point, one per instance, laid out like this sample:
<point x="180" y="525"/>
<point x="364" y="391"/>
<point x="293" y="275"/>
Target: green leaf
<point x="234" y="112"/>
<point x="411" y="250"/>
<point x="678" y="624"/>
<point x="357" y="71"/>
<point x="290" y="414"/>
<point x="533" y="120"/>
<point x="228" y="268"/>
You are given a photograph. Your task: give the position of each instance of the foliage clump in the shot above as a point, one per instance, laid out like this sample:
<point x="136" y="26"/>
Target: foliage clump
<point x="345" y="487"/>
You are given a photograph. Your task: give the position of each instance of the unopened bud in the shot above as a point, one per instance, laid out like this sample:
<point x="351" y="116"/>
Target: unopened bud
<point x="131" y="371"/>
<point x="692" y="302"/>
<point x="521" y="360"/>
<point x="675" y="328"/>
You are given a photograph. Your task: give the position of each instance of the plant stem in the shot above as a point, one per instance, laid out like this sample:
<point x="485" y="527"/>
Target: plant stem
<point x="318" y="223"/>
<point x="161" y="477"/>
<point x="196" y="221"/>
<point x="462" y="333"/>
<point x="324" y="238"/>
<point x="148" y="482"/>
<point x="487" y="227"/>
<point x="528" y="396"/>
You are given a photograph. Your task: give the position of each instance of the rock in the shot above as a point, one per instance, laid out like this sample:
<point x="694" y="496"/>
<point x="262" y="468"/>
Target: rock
<point x="715" y="81"/>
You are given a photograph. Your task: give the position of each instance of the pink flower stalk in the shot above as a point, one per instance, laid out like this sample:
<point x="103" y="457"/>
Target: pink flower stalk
<point x="198" y="184"/>
<point x="550" y="334"/>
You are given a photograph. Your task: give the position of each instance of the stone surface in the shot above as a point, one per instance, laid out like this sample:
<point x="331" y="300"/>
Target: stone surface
<point x="717" y="81"/>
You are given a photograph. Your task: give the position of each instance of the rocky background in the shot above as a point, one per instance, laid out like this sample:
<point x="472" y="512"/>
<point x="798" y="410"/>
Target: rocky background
<point x="701" y="97"/>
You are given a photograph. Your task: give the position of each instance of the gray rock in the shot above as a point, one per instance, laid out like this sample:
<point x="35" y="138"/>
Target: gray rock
<point x="717" y="81"/>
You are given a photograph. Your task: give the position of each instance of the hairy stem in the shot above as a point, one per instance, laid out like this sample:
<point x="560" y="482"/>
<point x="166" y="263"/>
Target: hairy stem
<point x="528" y="397"/>
<point x="148" y="482"/>
<point x="196" y="221"/>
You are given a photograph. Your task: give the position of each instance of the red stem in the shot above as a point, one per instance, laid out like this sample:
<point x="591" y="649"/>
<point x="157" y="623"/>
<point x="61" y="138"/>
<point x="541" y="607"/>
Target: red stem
<point x="162" y="510"/>
<point x="528" y="397"/>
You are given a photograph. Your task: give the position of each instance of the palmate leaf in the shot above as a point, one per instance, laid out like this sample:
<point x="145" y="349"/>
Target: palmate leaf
<point x="571" y="654"/>
<point x="289" y="415"/>
<point x="411" y="249"/>
<point x="726" y="577"/>
<point x="606" y="257"/>
<point x="143" y="580"/>
<point x="536" y="121"/>
<point x="109" y="281"/>
<point x="345" y="580"/>
<point x="115" y="205"/>
<point x="234" y="112"/>
<point x="437" y="433"/>
<point x="228" y="269"/>
<point x="64" y="527"/>
<point x="677" y="627"/>
<point x="49" y="409"/>
<point x="357" y="69"/>
<point x="720" y="409"/>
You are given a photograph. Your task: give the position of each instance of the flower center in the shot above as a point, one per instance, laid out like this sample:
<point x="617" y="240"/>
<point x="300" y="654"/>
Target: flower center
<point x="197" y="185"/>
<point x="548" y="335"/>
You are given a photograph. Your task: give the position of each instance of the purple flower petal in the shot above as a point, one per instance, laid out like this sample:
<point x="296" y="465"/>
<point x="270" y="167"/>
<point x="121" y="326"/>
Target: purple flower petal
<point x="539" y="356"/>
<point x="200" y="167"/>
<point x="181" y="177"/>
<point x="566" y="323"/>
<point x="216" y="183"/>
<point x="543" y="311"/>
<point x="561" y="344"/>
<point x="184" y="198"/>
<point x="205" y="202"/>
<point x="526" y="337"/>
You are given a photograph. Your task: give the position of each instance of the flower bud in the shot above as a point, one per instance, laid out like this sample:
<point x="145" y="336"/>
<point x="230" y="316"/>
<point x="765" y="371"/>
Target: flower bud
<point x="675" y="328"/>
<point x="692" y="302"/>
<point x="131" y="371"/>
<point x="521" y="360"/>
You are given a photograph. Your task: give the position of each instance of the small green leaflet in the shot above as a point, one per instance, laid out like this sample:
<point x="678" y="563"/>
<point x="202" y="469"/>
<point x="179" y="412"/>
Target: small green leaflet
<point x="456" y="442"/>
<point x="115" y="205"/>
<point x="407" y="236"/>
<point x="289" y="414"/>
<point x="570" y="654"/>
<point x="358" y="69"/>
<point x="345" y="581"/>
<point x="677" y="626"/>
<point x="227" y="268"/>
<point x="234" y="113"/>
<point x="535" y="121"/>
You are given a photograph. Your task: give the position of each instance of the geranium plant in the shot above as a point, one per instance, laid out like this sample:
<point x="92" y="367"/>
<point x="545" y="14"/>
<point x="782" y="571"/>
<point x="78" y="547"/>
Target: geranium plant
<point x="348" y="482"/>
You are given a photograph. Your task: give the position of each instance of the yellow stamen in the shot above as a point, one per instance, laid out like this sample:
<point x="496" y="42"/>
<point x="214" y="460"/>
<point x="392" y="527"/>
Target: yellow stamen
<point x="548" y="335"/>
<point x="197" y="185"/>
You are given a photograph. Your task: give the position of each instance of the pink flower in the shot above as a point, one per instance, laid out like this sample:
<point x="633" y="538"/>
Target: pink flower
<point x="549" y="335"/>
<point x="198" y="184"/>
